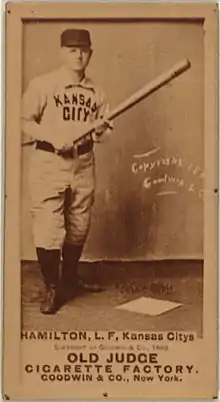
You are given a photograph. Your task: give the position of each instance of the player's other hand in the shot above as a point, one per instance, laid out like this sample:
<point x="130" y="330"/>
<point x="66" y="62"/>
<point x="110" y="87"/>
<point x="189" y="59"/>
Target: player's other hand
<point x="102" y="126"/>
<point x="63" y="144"/>
<point x="61" y="137"/>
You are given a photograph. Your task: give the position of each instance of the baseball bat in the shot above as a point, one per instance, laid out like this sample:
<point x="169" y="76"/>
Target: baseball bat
<point x="142" y="93"/>
<point x="139" y="95"/>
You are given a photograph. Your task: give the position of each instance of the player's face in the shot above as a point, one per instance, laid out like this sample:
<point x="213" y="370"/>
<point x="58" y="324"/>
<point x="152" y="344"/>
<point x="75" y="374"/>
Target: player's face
<point x="76" y="58"/>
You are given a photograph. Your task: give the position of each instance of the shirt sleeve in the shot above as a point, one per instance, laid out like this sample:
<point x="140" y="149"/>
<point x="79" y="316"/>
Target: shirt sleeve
<point x="103" y="111"/>
<point x="33" y="102"/>
<point x="104" y="107"/>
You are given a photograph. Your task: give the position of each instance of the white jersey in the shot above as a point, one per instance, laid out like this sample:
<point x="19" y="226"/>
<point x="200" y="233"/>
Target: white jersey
<point x="55" y="102"/>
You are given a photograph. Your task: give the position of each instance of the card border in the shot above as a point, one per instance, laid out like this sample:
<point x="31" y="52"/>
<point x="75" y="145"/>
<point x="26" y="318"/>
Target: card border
<point x="15" y="14"/>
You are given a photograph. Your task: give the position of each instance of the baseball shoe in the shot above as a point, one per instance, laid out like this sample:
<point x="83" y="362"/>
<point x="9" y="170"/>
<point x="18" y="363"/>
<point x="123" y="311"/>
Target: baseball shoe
<point x="50" y="304"/>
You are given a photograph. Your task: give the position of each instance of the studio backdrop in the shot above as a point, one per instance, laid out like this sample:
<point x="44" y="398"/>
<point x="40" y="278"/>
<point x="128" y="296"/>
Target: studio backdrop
<point x="149" y="195"/>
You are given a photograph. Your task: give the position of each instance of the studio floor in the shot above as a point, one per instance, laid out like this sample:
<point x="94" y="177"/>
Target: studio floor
<point x="174" y="281"/>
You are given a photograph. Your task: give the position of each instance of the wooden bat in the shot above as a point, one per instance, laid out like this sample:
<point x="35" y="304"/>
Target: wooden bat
<point x="136" y="97"/>
<point x="142" y="93"/>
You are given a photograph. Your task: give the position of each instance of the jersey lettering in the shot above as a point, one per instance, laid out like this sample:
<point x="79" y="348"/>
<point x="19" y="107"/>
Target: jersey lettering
<point x="71" y="105"/>
<point x="74" y="99"/>
<point x="75" y="114"/>
<point x="86" y="114"/>
<point x="88" y="103"/>
<point x="94" y="108"/>
<point x="57" y="100"/>
<point x="66" y="113"/>
<point x="81" y="99"/>
<point x="66" y="99"/>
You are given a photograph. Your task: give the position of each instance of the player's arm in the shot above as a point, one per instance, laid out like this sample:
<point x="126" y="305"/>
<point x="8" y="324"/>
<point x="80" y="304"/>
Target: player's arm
<point x="105" y="125"/>
<point x="33" y="103"/>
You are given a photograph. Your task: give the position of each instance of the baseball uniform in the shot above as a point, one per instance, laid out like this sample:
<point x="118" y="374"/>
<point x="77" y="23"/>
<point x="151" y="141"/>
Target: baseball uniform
<point x="56" y="108"/>
<point x="62" y="189"/>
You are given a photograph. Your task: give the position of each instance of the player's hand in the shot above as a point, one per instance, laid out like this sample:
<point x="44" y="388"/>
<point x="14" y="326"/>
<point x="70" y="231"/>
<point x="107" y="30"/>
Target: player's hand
<point x="63" y="144"/>
<point x="102" y="126"/>
<point x="61" y="136"/>
<point x="66" y="134"/>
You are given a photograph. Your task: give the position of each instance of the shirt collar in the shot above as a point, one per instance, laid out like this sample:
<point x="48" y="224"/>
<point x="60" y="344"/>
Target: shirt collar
<point x="69" y="83"/>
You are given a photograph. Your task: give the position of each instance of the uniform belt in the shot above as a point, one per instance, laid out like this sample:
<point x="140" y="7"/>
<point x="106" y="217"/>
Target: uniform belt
<point x="70" y="153"/>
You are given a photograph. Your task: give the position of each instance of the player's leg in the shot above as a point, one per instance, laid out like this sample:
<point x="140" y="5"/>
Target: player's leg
<point x="47" y="210"/>
<point x="49" y="261"/>
<point x="77" y="220"/>
<point x="49" y="233"/>
<point x="78" y="217"/>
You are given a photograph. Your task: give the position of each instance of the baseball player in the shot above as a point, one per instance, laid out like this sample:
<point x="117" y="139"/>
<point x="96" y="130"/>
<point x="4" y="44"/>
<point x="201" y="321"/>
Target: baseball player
<point x="56" y="107"/>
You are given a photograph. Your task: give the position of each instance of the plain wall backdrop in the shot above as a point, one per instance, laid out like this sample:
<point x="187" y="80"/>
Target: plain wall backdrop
<point x="135" y="217"/>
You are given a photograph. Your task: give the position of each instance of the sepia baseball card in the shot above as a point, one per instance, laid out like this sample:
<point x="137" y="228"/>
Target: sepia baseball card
<point x="110" y="252"/>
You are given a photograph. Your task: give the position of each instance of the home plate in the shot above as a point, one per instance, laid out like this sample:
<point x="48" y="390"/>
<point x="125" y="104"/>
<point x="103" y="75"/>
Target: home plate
<point x="149" y="306"/>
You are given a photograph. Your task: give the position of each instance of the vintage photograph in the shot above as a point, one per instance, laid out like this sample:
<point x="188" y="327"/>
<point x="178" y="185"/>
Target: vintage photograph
<point x="112" y="226"/>
<point x="110" y="271"/>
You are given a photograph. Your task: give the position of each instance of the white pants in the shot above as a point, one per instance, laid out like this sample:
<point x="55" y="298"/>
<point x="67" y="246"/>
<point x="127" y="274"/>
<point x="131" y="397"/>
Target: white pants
<point x="62" y="195"/>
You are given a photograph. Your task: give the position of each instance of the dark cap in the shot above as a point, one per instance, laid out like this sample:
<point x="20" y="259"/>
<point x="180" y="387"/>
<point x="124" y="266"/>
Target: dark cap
<point x="75" y="37"/>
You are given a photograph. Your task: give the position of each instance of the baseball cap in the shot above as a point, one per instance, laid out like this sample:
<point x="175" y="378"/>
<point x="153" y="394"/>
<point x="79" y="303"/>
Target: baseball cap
<point x="75" y="37"/>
